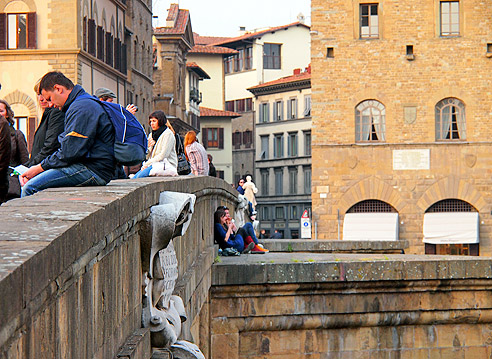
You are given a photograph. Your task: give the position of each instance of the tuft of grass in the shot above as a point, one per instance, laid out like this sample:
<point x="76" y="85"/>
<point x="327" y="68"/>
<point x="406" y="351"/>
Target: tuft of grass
<point x="289" y="248"/>
<point x="217" y="259"/>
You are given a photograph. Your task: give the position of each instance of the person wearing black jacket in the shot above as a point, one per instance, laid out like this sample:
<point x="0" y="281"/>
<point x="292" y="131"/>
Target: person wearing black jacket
<point x="5" y="148"/>
<point x="46" y="136"/>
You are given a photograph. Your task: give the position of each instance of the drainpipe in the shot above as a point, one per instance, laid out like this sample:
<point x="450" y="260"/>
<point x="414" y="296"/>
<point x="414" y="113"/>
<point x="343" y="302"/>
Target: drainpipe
<point x="338" y="223"/>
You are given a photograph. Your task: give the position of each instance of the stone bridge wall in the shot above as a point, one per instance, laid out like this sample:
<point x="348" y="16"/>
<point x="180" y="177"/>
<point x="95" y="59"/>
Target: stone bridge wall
<point x="70" y="268"/>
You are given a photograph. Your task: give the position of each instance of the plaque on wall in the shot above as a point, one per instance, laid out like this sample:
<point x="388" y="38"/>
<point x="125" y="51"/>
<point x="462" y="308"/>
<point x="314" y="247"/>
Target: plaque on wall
<point x="411" y="159"/>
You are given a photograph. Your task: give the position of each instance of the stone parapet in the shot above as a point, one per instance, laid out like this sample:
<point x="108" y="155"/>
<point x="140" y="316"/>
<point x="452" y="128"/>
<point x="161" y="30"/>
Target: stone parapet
<point x="326" y="246"/>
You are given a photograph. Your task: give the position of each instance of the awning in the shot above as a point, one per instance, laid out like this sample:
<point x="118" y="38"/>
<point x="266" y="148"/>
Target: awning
<point x="451" y="227"/>
<point x="370" y="227"/>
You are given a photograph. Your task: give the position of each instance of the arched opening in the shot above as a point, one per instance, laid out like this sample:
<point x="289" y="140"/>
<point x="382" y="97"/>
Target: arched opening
<point x="451" y="227"/>
<point x="371" y="220"/>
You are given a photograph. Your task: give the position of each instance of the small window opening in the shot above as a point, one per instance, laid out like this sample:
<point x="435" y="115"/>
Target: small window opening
<point x="410" y="55"/>
<point x="330" y="52"/>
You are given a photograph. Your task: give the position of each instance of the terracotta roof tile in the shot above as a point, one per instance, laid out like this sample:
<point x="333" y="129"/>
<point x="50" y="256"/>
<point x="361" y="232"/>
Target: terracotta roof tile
<point x="259" y="33"/>
<point x="197" y="69"/>
<point x="202" y="49"/>
<point x="284" y="80"/>
<point x="180" y="24"/>
<point x="208" y="40"/>
<point x="211" y="112"/>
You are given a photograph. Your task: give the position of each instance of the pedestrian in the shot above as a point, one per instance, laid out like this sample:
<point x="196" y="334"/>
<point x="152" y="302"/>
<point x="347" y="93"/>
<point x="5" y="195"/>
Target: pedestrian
<point x="105" y="94"/>
<point x="196" y="155"/>
<point x="211" y="168"/>
<point x="5" y="148"/>
<point x="86" y="155"/>
<point x="19" y="153"/>
<point x="276" y="235"/>
<point x="240" y="186"/>
<point x="50" y="127"/>
<point x="162" y="159"/>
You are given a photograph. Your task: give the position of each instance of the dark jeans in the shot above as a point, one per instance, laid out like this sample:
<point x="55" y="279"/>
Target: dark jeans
<point x="248" y="230"/>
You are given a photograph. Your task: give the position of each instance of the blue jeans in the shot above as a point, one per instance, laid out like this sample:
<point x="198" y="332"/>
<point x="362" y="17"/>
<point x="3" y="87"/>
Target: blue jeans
<point x="248" y="230"/>
<point x="70" y="176"/>
<point x="143" y="173"/>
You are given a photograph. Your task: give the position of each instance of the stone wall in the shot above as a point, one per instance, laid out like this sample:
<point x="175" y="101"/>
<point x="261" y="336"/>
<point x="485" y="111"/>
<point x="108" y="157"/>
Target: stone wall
<point x="70" y="268"/>
<point x="313" y="305"/>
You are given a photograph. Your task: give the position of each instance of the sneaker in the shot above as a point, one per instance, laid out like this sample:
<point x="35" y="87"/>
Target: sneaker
<point x="258" y="250"/>
<point x="261" y="248"/>
<point x="249" y="248"/>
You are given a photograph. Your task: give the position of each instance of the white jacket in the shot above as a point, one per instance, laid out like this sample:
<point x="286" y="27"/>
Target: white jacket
<point x="164" y="148"/>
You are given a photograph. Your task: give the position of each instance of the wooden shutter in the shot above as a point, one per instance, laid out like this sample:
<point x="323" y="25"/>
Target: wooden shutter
<point x="117" y="54"/>
<point x="84" y="34"/>
<point x="3" y="31"/>
<point x="221" y="138"/>
<point x="109" y="49"/>
<point x="91" y="43"/>
<point x="31" y="129"/>
<point x="205" y="137"/>
<point x="100" y="43"/>
<point x="31" y="30"/>
<point x="123" y="59"/>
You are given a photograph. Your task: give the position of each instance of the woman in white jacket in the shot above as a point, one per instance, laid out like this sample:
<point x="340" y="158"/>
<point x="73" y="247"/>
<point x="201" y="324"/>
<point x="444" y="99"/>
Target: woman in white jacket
<point x="161" y="157"/>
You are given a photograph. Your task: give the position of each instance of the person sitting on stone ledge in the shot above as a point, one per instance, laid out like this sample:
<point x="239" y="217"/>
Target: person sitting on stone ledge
<point x="86" y="155"/>
<point x="226" y="234"/>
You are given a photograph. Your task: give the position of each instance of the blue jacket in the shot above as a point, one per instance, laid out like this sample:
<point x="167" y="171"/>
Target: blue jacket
<point x="88" y="137"/>
<point x="235" y="241"/>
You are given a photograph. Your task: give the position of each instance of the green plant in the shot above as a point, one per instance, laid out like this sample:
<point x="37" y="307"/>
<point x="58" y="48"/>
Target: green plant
<point x="217" y="259"/>
<point x="289" y="248"/>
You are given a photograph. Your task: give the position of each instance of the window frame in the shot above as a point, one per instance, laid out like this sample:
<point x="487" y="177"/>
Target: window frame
<point x="362" y="16"/>
<point x="375" y="132"/>
<point x="264" y="112"/>
<point x="272" y="61"/>
<point x="292" y="108"/>
<point x="307" y="106"/>
<point x="293" y="180"/>
<point x="248" y="57"/>
<point x="307" y="143"/>
<point x="450" y="23"/>
<point x="280" y="212"/>
<point x="278" y="110"/>
<point x="307" y="174"/>
<point x="265" y="182"/>
<point x="279" y="184"/>
<point x="458" y="119"/>
<point x="30" y="30"/>
<point x="278" y="145"/>
<point x="214" y="144"/>
<point x="292" y="145"/>
<point x="264" y="143"/>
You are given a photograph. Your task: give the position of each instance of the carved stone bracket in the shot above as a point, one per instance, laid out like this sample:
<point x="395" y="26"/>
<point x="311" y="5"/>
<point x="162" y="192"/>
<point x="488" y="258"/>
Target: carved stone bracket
<point x="164" y="312"/>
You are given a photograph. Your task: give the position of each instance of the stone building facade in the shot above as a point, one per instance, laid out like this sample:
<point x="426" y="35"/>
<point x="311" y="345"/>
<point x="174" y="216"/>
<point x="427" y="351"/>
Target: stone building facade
<point x="95" y="43"/>
<point x="283" y="152"/>
<point x="401" y="117"/>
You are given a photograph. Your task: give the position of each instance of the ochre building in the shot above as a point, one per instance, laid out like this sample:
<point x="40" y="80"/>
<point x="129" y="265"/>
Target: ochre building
<point x="402" y="112"/>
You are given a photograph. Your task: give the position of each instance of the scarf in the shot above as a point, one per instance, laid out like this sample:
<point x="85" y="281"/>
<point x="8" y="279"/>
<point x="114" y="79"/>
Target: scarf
<point x="156" y="134"/>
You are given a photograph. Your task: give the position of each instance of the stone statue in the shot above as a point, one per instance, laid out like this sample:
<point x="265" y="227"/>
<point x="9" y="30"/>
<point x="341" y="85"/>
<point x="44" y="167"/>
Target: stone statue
<point x="164" y="312"/>
<point x="250" y="190"/>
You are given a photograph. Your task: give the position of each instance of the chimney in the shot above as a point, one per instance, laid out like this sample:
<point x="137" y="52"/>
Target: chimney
<point x="172" y="15"/>
<point x="301" y="18"/>
<point x="297" y="71"/>
<point x="242" y="30"/>
<point x="308" y="69"/>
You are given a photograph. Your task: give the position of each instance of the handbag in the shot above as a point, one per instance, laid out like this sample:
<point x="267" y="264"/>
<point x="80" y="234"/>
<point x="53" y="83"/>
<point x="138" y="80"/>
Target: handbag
<point x="184" y="167"/>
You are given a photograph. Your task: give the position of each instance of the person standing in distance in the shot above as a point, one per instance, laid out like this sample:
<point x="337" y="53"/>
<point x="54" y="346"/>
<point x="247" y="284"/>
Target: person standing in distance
<point x="86" y="154"/>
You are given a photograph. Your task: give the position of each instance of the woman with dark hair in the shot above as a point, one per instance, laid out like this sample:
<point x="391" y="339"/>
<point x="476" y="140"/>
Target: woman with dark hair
<point x="161" y="157"/>
<point x="50" y="127"/>
<point x="196" y="155"/>
<point x="19" y="154"/>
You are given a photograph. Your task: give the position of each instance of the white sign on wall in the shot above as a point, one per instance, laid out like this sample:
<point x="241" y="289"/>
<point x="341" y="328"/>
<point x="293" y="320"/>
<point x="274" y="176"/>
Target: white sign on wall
<point x="411" y="159"/>
<point x="305" y="225"/>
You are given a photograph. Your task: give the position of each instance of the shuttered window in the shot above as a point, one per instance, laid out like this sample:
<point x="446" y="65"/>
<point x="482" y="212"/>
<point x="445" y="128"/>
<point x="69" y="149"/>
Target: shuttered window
<point x="109" y="49"/>
<point x="213" y="138"/>
<point x="18" y="31"/>
<point x="100" y="43"/>
<point x="91" y="37"/>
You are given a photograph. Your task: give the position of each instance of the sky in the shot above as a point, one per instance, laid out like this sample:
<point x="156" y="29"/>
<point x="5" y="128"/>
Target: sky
<point x="224" y="17"/>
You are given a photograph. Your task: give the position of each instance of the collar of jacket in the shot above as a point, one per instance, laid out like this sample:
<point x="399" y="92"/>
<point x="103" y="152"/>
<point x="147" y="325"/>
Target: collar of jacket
<point x="76" y="91"/>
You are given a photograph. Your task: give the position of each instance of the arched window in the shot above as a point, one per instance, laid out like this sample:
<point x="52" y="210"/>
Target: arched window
<point x="370" y="123"/>
<point x="371" y="206"/>
<point x="450" y="119"/>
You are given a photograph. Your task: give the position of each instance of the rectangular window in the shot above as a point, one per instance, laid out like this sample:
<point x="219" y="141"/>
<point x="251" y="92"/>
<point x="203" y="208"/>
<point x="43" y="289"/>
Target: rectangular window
<point x="307" y="180"/>
<point x="228" y="64"/>
<point x="220" y="174"/>
<point x="292" y="150"/>
<point x="307" y="105"/>
<point x="279" y="213"/>
<point x="271" y="56"/>
<point x="248" y="58"/>
<point x="294" y="214"/>
<point x="229" y="105"/>
<point x="264" y="182"/>
<point x="293" y="180"/>
<point x="239" y="105"/>
<point x="369" y="22"/>
<point x="264" y="112"/>
<point x="279" y="185"/>
<point x="307" y="143"/>
<point x="17" y="31"/>
<point x="278" y="111"/>
<point x="291" y="109"/>
<point x="236" y="139"/>
<point x="249" y="105"/>
<point x="214" y="137"/>
<point x="238" y="60"/>
<point x="278" y="146"/>
<point x="247" y="138"/>
<point x="264" y="147"/>
<point x="450" y="18"/>
<point x="265" y="213"/>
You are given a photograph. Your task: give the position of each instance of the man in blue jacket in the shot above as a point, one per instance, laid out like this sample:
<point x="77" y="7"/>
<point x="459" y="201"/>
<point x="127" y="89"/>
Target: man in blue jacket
<point x="86" y="155"/>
